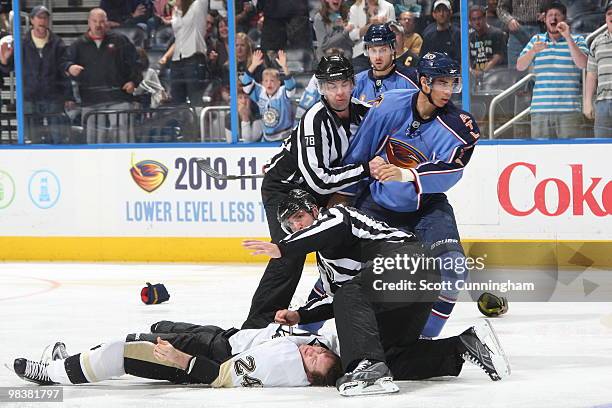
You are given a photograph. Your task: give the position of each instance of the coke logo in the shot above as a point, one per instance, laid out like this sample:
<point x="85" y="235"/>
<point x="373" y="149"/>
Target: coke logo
<point x="593" y="194"/>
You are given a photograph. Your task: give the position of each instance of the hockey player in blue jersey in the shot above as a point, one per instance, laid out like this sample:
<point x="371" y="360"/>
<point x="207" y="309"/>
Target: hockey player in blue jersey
<point x="425" y="142"/>
<point x="272" y="99"/>
<point x="385" y="74"/>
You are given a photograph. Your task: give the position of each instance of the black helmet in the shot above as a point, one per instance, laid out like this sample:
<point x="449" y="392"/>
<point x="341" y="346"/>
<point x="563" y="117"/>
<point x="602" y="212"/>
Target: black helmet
<point x="379" y="34"/>
<point x="334" y="68"/>
<point x="295" y="201"/>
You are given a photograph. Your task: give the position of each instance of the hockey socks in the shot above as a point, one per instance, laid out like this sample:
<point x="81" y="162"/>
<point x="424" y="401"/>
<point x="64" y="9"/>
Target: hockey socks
<point x="97" y="364"/>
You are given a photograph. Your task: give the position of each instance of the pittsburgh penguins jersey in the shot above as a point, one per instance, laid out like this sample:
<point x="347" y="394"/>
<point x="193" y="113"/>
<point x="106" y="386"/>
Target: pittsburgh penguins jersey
<point x="275" y="110"/>
<point x="269" y="357"/>
<point x="310" y="158"/>
<point x="436" y="150"/>
<point x="368" y="87"/>
<point x="342" y="238"/>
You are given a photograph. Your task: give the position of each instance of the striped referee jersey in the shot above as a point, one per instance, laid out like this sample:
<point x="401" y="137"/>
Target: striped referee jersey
<point x="343" y="239"/>
<point x="311" y="157"/>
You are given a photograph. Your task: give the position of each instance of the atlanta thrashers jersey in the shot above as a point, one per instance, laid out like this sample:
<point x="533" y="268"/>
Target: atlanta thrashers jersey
<point x="368" y="87"/>
<point x="269" y="357"/>
<point x="436" y="150"/>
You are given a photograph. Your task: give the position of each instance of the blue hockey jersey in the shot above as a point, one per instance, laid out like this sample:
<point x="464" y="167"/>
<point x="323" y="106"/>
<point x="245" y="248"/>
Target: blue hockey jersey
<point x="368" y="88"/>
<point x="275" y="110"/>
<point x="436" y="150"/>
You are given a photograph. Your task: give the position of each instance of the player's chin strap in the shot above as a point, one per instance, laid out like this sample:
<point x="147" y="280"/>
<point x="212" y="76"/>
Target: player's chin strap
<point x="429" y="98"/>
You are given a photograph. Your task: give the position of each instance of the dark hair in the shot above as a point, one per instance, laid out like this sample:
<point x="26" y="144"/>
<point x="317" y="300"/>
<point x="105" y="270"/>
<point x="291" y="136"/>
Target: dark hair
<point x="143" y="59"/>
<point x="555" y="5"/>
<point x="324" y="11"/>
<point x="328" y="379"/>
<point x="477" y="8"/>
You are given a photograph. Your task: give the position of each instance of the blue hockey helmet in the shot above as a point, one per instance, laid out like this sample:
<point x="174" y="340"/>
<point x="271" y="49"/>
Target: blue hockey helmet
<point x="379" y="34"/>
<point x="437" y="64"/>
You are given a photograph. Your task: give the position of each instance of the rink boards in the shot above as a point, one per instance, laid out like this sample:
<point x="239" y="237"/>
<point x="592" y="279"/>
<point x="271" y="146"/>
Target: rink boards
<point x="519" y="204"/>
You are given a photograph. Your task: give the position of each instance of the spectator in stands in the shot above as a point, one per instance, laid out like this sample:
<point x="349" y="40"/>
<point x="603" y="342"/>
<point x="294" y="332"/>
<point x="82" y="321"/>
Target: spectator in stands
<point x="487" y="45"/>
<point x="492" y="18"/>
<point x="255" y="32"/>
<point x="362" y="15"/>
<point x="245" y="12"/>
<point x="244" y="56"/>
<point x="441" y="35"/>
<point x="274" y="100"/>
<point x="286" y="25"/>
<point x="150" y="93"/>
<point x="407" y="57"/>
<point x="557" y="57"/>
<point x="106" y="70"/>
<point x="218" y="53"/>
<point x="599" y="75"/>
<point x="331" y="28"/>
<point x="6" y="6"/>
<point x="189" y="71"/>
<point x="212" y="19"/>
<point x="522" y="18"/>
<point x="251" y="126"/>
<point x="127" y="13"/>
<point x="47" y="89"/>
<point x="412" y="40"/>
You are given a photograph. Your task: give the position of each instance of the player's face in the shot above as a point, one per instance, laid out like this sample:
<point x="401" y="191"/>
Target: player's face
<point x="552" y="18"/>
<point x="442" y="90"/>
<point x="316" y="359"/>
<point x="380" y="56"/>
<point x="338" y="93"/>
<point x="271" y="83"/>
<point x="300" y="220"/>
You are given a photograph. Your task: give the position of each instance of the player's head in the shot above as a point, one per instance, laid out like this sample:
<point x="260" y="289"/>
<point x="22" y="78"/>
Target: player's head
<point x="335" y="81"/>
<point x="297" y="211"/>
<point x="270" y="80"/>
<point x="379" y="45"/>
<point x="439" y="77"/>
<point x="322" y="366"/>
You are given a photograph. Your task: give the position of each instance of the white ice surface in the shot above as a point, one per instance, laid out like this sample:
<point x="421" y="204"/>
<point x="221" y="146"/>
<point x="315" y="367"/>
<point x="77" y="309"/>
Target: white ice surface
<point x="561" y="353"/>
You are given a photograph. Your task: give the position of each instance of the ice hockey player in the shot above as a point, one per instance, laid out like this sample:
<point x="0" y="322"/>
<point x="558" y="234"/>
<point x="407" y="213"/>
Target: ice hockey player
<point x="385" y="74"/>
<point x="188" y="353"/>
<point x="376" y="338"/>
<point x="427" y="142"/>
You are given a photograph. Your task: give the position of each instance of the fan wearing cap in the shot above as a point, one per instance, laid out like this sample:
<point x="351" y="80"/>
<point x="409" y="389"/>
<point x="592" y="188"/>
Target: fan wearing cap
<point x="384" y="73"/>
<point x="426" y="142"/>
<point x="310" y="159"/>
<point x="47" y="90"/>
<point x="441" y="35"/>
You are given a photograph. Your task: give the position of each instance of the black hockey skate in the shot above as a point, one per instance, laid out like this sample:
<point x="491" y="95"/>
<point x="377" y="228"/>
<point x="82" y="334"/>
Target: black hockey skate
<point x="32" y="371"/>
<point x="483" y="349"/>
<point x="368" y="378"/>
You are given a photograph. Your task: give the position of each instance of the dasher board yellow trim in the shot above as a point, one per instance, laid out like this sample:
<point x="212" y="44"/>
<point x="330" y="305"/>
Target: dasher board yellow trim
<point x="156" y="249"/>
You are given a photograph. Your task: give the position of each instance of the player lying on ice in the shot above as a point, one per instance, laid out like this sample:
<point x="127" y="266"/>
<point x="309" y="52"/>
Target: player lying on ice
<point x="269" y="357"/>
<point x="379" y="333"/>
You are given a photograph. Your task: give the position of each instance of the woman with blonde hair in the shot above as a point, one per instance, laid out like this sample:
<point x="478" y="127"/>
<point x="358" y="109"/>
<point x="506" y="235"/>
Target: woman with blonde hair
<point x="244" y="56"/>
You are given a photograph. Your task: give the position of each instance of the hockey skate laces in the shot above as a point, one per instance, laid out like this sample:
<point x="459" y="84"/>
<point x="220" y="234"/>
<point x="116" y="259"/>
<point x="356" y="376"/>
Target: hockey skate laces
<point x="36" y="371"/>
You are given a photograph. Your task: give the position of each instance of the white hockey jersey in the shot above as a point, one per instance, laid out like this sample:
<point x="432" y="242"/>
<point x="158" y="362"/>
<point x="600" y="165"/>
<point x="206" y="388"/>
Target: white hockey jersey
<point x="269" y="357"/>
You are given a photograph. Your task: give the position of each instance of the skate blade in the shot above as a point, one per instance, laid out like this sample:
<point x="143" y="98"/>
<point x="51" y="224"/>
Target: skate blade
<point x="499" y="358"/>
<point x="383" y="385"/>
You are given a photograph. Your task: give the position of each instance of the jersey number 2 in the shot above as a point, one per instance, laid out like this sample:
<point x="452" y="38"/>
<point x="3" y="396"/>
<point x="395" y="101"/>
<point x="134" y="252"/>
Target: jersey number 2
<point x="243" y="367"/>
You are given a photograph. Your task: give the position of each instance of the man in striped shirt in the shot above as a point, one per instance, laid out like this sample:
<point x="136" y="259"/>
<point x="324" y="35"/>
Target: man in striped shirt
<point x="599" y="75"/>
<point x="557" y="57"/>
<point x="309" y="159"/>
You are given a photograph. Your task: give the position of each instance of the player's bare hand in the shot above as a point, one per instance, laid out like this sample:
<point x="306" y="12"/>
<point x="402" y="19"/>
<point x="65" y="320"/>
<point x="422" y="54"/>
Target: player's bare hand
<point x="164" y="351"/>
<point x="390" y="172"/>
<point x="262" y="248"/>
<point x="129" y="87"/>
<point x="288" y="317"/>
<point x="75" y="70"/>
<point x="564" y="29"/>
<point x="539" y="46"/>
<point x="375" y="164"/>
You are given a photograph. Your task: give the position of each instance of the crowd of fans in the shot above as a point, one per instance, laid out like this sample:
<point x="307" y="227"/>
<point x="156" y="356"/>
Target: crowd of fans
<point x="140" y="60"/>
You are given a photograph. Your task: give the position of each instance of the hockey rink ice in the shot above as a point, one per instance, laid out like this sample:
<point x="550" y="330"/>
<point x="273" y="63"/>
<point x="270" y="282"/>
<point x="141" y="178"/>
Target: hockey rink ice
<point x="561" y="353"/>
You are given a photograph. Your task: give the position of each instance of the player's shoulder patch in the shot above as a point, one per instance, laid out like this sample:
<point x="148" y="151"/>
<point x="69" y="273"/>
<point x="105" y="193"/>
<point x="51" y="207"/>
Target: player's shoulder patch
<point x="462" y="123"/>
